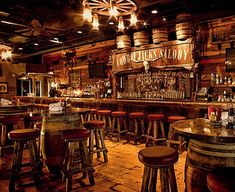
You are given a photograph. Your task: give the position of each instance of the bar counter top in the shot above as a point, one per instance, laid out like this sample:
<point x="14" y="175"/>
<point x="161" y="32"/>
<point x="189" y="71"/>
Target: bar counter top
<point x="43" y="99"/>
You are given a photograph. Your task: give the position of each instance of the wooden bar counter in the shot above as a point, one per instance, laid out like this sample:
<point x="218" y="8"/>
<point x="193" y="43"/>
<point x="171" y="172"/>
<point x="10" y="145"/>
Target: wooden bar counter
<point x="191" y="109"/>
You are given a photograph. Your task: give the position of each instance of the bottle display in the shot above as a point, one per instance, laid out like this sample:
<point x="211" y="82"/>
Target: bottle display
<point x="160" y="85"/>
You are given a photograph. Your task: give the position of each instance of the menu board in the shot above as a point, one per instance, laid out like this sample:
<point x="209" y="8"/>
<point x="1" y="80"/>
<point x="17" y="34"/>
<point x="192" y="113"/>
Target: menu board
<point x="75" y="79"/>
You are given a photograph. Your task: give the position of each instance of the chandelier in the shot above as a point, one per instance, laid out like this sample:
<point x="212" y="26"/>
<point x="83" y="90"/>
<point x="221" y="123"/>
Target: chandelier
<point x="5" y="52"/>
<point x="112" y="8"/>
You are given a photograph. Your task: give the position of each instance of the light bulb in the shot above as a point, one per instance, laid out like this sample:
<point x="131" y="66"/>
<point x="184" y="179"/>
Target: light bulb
<point x="95" y="22"/>
<point x="133" y="19"/>
<point x="6" y="54"/>
<point x="113" y="11"/>
<point x="87" y="15"/>
<point x="121" y="26"/>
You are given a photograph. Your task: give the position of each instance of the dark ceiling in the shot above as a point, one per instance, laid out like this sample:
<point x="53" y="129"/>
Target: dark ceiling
<point x="39" y="21"/>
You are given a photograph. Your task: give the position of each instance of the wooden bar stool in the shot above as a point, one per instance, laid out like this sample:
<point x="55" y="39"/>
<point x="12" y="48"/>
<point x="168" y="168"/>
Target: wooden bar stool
<point x="160" y="158"/>
<point x="119" y="125"/>
<point x="221" y="179"/>
<point x="9" y="123"/>
<point x="92" y="116"/>
<point x="105" y="115"/>
<point x="34" y="120"/>
<point x="171" y="137"/>
<point x="136" y="126"/>
<point x="20" y="137"/>
<point x="97" y="136"/>
<point x="76" y="158"/>
<point x="3" y="137"/>
<point x="155" y="122"/>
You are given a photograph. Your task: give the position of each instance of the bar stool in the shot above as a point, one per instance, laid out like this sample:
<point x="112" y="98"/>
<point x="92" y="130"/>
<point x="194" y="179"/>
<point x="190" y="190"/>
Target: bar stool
<point x="20" y="138"/>
<point x="119" y="125"/>
<point x="105" y="115"/>
<point x="9" y="123"/>
<point x="76" y="158"/>
<point x="97" y="136"/>
<point x="136" y="126"/>
<point x="155" y="122"/>
<point x="92" y="116"/>
<point x="35" y="121"/>
<point x="221" y="179"/>
<point x="171" y="137"/>
<point x="160" y="158"/>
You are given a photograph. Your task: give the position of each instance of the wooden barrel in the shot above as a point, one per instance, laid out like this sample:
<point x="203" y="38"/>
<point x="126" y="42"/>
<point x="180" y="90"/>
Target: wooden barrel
<point x="202" y="158"/>
<point x="123" y="41"/>
<point x="184" y="29"/>
<point x="52" y="145"/>
<point x="140" y="38"/>
<point x="159" y="35"/>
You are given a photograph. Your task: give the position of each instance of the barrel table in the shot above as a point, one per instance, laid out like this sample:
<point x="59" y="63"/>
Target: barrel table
<point x="209" y="147"/>
<point x="52" y="145"/>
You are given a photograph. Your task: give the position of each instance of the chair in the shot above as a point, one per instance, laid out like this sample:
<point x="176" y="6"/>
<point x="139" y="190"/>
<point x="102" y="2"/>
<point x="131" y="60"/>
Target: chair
<point x="155" y="125"/>
<point x="136" y="126"/>
<point x="20" y="137"/>
<point x="171" y="137"/>
<point x="162" y="159"/>
<point x="221" y="179"/>
<point x="76" y="158"/>
<point x="119" y="125"/>
<point x="96" y="140"/>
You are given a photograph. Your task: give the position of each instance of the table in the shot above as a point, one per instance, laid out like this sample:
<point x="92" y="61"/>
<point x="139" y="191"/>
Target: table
<point x="209" y="147"/>
<point x="52" y="145"/>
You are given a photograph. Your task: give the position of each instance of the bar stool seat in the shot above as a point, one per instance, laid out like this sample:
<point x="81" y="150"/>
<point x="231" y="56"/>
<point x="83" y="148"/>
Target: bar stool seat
<point x="174" y="118"/>
<point x="160" y="158"/>
<point x="96" y="140"/>
<point x="76" y="158"/>
<point x="155" y="122"/>
<point x="20" y="138"/>
<point x="171" y="137"/>
<point x="221" y="179"/>
<point x="136" y="126"/>
<point x="119" y="125"/>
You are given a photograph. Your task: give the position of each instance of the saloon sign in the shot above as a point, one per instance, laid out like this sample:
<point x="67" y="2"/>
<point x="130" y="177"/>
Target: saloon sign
<point x="174" y="55"/>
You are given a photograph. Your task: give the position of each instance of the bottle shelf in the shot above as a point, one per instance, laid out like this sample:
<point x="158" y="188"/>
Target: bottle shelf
<point x="223" y="86"/>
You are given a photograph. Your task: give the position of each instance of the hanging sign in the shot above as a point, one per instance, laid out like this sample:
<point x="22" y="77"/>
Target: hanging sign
<point x="167" y="56"/>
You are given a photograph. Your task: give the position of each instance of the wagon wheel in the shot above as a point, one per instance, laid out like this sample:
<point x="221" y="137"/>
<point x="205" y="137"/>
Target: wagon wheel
<point x="102" y="7"/>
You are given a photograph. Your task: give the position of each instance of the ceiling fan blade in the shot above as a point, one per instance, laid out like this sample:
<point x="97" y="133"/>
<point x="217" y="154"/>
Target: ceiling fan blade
<point x="12" y="23"/>
<point x="21" y="30"/>
<point x="4" y="14"/>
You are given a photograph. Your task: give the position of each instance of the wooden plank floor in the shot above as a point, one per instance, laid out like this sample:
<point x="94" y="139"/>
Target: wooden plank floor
<point x="122" y="173"/>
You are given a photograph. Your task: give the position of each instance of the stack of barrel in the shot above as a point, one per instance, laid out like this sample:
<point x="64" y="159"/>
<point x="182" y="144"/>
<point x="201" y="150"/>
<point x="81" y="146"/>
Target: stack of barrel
<point x="123" y="41"/>
<point x="184" y="28"/>
<point x="140" y="38"/>
<point x="159" y="35"/>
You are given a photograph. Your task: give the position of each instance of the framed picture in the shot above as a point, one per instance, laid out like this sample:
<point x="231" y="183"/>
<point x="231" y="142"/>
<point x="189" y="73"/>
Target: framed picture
<point x="3" y="87"/>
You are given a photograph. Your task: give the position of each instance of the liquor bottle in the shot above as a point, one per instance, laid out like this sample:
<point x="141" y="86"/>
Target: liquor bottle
<point x="231" y="116"/>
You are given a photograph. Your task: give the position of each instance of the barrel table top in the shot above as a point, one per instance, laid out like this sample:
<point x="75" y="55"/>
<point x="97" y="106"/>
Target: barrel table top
<point x="202" y="130"/>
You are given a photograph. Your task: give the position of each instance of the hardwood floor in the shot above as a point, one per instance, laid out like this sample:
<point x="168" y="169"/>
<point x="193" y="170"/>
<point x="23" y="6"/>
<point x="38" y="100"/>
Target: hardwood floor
<point x="123" y="173"/>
